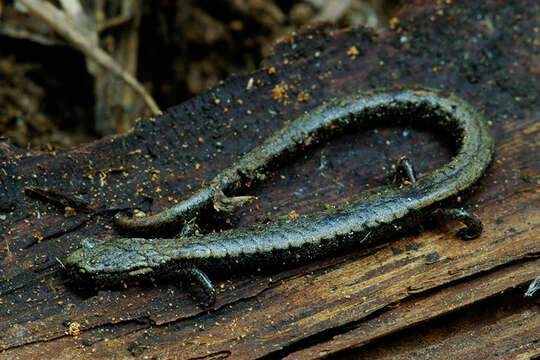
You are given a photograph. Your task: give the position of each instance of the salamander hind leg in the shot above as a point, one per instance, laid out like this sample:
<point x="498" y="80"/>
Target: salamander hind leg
<point x="206" y="285"/>
<point x="404" y="171"/>
<point x="473" y="224"/>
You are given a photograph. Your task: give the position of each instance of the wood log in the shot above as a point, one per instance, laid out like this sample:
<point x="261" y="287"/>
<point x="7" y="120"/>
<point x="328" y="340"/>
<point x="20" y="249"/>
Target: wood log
<point x="485" y="52"/>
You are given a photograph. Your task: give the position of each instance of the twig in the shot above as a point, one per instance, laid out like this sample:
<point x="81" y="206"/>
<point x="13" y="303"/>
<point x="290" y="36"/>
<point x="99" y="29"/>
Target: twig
<point x="114" y="98"/>
<point x="114" y="22"/>
<point x="58" y="198"/>
<point x="14" y="32"/>
<point x="58" y="21"/>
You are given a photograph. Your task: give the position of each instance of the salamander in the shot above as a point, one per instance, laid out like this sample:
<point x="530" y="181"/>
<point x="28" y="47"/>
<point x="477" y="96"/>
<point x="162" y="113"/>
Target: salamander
<point x="371" y="217"/>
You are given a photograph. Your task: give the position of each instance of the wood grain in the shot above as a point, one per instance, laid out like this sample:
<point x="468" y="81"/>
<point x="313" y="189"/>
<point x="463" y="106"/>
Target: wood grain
<point x="484" y="52"/>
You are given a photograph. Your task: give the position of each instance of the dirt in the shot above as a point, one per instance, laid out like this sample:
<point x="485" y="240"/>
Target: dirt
<point x="47" y="94"/>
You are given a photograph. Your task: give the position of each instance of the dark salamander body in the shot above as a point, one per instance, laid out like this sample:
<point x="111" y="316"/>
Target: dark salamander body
<point x="374" y="216"/>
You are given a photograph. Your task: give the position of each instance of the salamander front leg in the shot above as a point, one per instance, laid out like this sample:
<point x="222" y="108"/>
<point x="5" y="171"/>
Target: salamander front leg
<point x="190" y="229"/>
<point x="229" y="203"/>
<point x="473" y="224"/>
<point x="206" y="285"/>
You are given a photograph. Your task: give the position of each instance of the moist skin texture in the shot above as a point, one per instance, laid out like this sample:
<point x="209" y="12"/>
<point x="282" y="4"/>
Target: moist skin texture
<point x="370" y="218"/>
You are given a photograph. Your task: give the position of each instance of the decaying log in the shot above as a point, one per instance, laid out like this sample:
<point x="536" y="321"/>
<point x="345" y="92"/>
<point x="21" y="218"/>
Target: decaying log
<point x="485" y="52"/>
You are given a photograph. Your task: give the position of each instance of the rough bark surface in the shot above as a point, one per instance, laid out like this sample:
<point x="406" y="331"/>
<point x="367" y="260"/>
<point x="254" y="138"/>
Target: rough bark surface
<point x="383" y="300"/>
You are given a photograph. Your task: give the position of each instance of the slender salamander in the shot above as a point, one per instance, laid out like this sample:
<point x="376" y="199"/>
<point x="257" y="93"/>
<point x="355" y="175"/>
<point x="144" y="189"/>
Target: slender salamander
<point x="371" y="217"/>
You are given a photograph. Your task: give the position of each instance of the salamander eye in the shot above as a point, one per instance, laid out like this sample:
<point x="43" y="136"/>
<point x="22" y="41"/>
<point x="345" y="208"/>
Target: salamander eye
<point x="89" y="243"/>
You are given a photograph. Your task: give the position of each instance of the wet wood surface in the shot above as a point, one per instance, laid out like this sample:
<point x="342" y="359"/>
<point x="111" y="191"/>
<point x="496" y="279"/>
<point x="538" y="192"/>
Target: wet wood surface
<point x="422" y="295"/>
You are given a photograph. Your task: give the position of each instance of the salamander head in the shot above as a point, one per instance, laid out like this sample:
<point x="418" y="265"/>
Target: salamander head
<point x="106" y="263"/>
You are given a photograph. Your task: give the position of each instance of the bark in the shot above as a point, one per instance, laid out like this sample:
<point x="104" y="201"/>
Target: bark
<point x="390" y="295"/>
